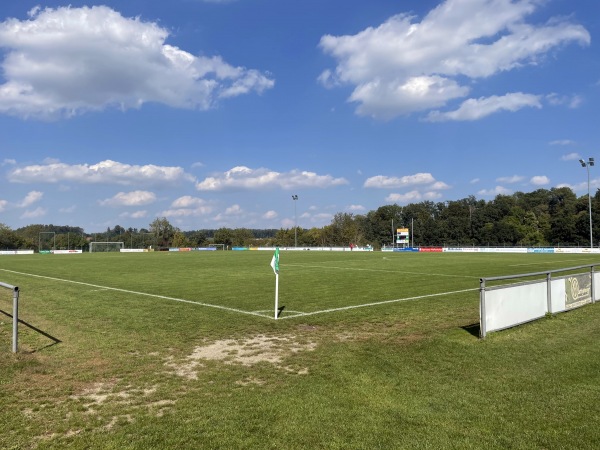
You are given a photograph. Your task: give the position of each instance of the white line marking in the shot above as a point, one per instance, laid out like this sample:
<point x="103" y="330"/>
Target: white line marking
<point x="208" y="305"/>
<point x="269" y="313"/>
<point x="293" y="315"/>
<point x="344" y="308"/>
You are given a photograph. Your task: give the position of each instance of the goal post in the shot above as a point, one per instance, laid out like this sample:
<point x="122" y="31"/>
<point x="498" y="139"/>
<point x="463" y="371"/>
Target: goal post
<point x="218" y="246"/>
<point x="99" y="247"/>
<point x="46" y="241"/>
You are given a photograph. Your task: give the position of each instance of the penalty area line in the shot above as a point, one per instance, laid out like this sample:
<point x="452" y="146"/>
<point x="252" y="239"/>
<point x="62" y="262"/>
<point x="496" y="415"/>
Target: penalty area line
<point x="384" y="302"/>
<point x="164" y="297"/>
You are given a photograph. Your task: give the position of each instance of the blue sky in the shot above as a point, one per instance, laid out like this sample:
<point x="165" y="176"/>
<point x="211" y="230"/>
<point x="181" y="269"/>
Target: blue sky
<point x="214" y="113"/>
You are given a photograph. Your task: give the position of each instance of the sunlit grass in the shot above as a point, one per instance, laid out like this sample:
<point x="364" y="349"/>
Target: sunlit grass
<point x="109" y="370"/>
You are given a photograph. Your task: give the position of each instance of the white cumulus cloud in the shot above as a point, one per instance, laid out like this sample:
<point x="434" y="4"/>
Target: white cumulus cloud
<point x="104" y="172"/>
<point x="570" y="157"/>
<point x="188" y="206"/>
<point x="412" y="196"/>
<point x="134" y="215"/>
<point x="475" y="109"/>
<point x="270" y="215"/>
<point x="405" y="65"/>
<point x="498" y="190"/>
<point x="36" y="213"/>
<point x="510" y="180"/>
<point x="66" y="60"/>
<point x="385" y="182"/>
<point x="31" y="198"/>
<point x="540" y="180"/>
<point x="563" y="142"/>
<point x="245" y="178"/>
<point x="356" y="208"/>
<point x="134" y="198"/>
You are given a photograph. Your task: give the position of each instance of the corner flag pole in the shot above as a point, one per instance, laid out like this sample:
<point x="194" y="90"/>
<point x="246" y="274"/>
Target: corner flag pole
<point x="276" y="295"/>
<point x="275" y="266"/>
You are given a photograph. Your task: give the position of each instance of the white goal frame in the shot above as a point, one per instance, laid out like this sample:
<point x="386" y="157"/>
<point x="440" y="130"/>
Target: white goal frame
<point x="120" y="246"/>
<point x="217" y="246"/>
<point x="53" y="233"/>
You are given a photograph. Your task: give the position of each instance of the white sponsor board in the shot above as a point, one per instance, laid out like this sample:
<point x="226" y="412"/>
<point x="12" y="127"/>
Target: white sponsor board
<point x="576" y="250"/>
<point x="320" y="249"/>
<point x="509" y="306"/>
<point x="16" y="252"/>
<point x="67" y="252"/>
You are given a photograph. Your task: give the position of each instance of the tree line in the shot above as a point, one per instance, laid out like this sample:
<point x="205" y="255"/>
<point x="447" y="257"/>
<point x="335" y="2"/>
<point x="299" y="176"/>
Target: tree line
<point x="545" y="217"/>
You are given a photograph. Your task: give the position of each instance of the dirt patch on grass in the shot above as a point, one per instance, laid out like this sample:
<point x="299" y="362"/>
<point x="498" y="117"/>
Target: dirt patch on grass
<point x="94" y="396"/>
<point x="247" y="352"/>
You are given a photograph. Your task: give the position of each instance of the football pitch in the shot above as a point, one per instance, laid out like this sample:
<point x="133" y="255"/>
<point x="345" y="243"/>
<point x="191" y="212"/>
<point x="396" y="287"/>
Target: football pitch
<point x="370" y="350"/>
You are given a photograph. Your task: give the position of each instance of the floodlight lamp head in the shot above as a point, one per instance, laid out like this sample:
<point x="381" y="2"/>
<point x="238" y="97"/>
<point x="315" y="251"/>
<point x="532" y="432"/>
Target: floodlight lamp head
<point x="591" y="161"/>
<point x="294" y="197"/>
<point x="582" y="162"/>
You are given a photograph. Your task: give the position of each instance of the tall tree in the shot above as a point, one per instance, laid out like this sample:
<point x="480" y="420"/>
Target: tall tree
<point x="223" y="236"/>
<point x="9" y="240"/>
<point x="162" y="231"/>
<point x="242" y="237"/>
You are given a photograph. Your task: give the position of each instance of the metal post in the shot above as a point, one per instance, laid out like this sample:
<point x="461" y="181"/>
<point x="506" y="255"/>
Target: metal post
<point x="15" y="318"/>
<point x="295" y="199"/>
<point x="549" y="291"/>
<point x="587" y="164"/>
<point x="482" y="308"/>
<point x="15" y="290"/>
<point x="592" y="284"/>
<point x="590" y="206"/>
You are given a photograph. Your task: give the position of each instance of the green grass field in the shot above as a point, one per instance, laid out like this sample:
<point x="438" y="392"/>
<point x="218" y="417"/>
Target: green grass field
<point x="371" y="350"/>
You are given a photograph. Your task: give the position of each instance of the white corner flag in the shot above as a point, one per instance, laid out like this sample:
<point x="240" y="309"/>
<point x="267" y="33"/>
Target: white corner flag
<point x="275" y="266"/>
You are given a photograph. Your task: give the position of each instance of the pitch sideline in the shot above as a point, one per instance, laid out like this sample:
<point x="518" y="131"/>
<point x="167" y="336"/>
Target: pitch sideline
<point x="240" y="311"/>
<point x="164" y="297"/>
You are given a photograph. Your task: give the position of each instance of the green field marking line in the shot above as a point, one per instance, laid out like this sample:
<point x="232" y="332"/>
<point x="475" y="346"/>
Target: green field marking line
<point x="381" y="270"/>
<point x="164" y="297"/>
<point x="383" y="302"/>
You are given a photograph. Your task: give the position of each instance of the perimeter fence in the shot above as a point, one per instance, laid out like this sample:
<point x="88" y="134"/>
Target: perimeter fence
<point x="507" y="305"/>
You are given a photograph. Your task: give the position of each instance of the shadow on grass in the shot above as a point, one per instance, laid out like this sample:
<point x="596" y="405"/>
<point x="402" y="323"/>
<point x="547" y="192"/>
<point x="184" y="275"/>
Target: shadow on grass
<point x="37" y="330"/>
<point x="472" y="329"/>
<point x="280" y="310"/>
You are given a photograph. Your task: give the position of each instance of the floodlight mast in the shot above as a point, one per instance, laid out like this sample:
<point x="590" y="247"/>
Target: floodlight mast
<point x="295" y="199"/>
<point x="587" y="164"/>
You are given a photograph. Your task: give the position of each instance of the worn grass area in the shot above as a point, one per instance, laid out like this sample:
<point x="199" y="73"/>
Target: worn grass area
<point x="134" y="351"/>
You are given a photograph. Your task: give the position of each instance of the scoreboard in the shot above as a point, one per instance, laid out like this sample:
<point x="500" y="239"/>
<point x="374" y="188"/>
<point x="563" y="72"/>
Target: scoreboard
<point x="402" y="236"/>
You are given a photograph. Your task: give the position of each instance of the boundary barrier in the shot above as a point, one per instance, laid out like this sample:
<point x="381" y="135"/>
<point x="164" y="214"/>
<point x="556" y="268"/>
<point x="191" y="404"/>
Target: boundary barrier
<point x="506" y="306"/>
<point x="570" y="250"/>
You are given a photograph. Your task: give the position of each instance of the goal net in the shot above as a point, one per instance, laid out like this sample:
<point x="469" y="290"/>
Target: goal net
<point x="218" y="246"/>
<point x="96" y="247"/>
